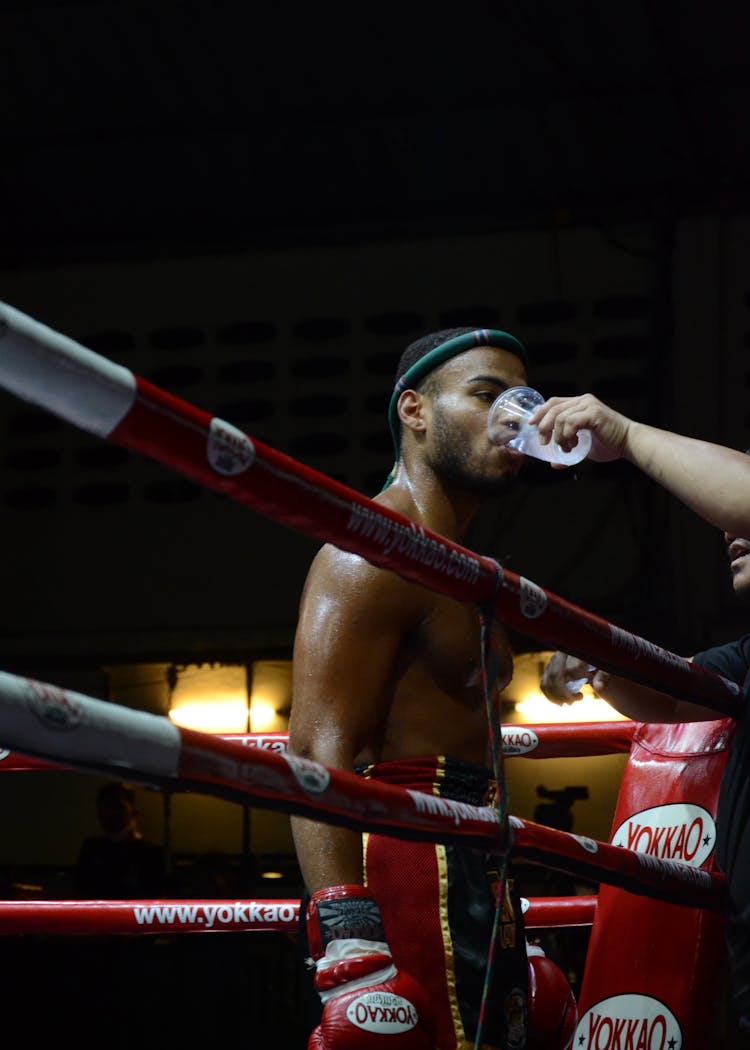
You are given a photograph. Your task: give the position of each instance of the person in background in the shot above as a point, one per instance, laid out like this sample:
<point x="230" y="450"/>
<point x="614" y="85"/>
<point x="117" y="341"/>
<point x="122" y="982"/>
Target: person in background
<point x="119" y="864"/>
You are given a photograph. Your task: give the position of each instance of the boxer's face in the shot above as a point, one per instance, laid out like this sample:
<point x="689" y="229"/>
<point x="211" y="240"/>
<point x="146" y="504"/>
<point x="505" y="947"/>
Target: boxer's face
<point x="460" y="394"/>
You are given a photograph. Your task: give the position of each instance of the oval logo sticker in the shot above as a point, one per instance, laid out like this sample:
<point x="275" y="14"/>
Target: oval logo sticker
<point x="678" y="831"/>
<point x="519" y="740"/>
<point x="628" y="1021"/>
<point x="382" y="1012"/>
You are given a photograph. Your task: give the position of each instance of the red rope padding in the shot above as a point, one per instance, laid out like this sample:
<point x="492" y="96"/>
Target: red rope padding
<point x="547" y="913"/>
<point x="163" y="917"/>
<point x="168" y="917"/>
<point x="267" y="780"/>
<point x="65" y="727"/>
<point x="668" y="880"/>
<point x="176" y="433"/>
<point x="543" y="740"/>
<point x="567" y="739"/>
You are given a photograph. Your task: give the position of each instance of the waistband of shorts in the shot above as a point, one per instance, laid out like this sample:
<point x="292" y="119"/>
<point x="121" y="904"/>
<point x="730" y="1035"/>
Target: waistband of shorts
<point x="437" y="775"/>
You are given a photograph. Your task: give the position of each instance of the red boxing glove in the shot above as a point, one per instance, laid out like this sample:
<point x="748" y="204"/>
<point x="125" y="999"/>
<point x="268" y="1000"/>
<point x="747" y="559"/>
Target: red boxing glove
<point x="367" y="1003"/>
<point x="553" y="1012"/>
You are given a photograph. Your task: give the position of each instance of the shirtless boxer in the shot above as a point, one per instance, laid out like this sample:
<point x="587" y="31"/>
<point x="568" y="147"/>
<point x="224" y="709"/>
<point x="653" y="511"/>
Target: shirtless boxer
<point x="387" y="681"/>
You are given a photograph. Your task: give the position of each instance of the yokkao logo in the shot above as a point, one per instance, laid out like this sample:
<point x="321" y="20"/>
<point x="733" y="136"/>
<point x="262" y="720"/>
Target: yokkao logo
<point x="677" y="831"/>
<point x="628" y="1021"/>
<point x="55" y="708"/>
<point x="229" y="451"/>
<point x="311" y="776"/>
<point x="533" y="599"/>
<point x="382" y="1012"/>
<point x="519" y="740"/>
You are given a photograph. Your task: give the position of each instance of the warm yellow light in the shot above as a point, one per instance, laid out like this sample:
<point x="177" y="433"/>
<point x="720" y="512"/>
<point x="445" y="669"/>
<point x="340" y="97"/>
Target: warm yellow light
<point x="531" y="705"/>
<point x="270" y="696"/>
<point x="211" y="716"/>
<point x="272" y="875"/>
<point x="535" y="707"/>
<point x="211" y="698"/>
<point x="262" y="716"/>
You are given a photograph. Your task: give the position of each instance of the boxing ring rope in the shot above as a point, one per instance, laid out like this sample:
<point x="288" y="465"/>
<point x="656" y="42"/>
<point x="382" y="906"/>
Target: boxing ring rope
<point x="47" y="369"/>
<point x="50" y="370"/>
<point x="161" y="918"/>
<point x="94" y="735"/>
<point x="542" y="740"/>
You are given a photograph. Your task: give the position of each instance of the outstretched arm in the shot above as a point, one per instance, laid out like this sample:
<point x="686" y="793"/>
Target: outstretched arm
<point x="714" y="481"/>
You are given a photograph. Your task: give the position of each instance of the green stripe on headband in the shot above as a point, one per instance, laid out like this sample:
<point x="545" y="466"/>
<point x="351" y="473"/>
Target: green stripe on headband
<point x="436" y="357"/>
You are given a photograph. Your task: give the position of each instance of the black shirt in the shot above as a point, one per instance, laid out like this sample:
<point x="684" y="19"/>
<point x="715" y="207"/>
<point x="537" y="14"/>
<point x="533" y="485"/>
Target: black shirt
<point x="732" y="661"/>
<point x="131" y="868"/>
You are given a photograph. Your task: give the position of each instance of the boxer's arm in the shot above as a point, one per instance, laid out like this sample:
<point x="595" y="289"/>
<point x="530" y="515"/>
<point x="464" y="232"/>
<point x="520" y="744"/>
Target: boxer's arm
<point x="353" y="620"/>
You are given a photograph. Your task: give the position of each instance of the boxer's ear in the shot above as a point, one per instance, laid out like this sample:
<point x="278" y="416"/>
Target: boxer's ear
<point x="412" y="410"/>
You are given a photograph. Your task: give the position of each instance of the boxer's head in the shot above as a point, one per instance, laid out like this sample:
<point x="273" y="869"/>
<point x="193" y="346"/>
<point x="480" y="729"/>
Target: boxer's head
<point x="423" y="364"/>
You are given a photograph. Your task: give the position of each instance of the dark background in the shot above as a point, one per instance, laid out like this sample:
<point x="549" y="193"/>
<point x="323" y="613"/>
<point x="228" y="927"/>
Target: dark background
<point x="256" y="207"/>
<point x="168" y="126"/>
